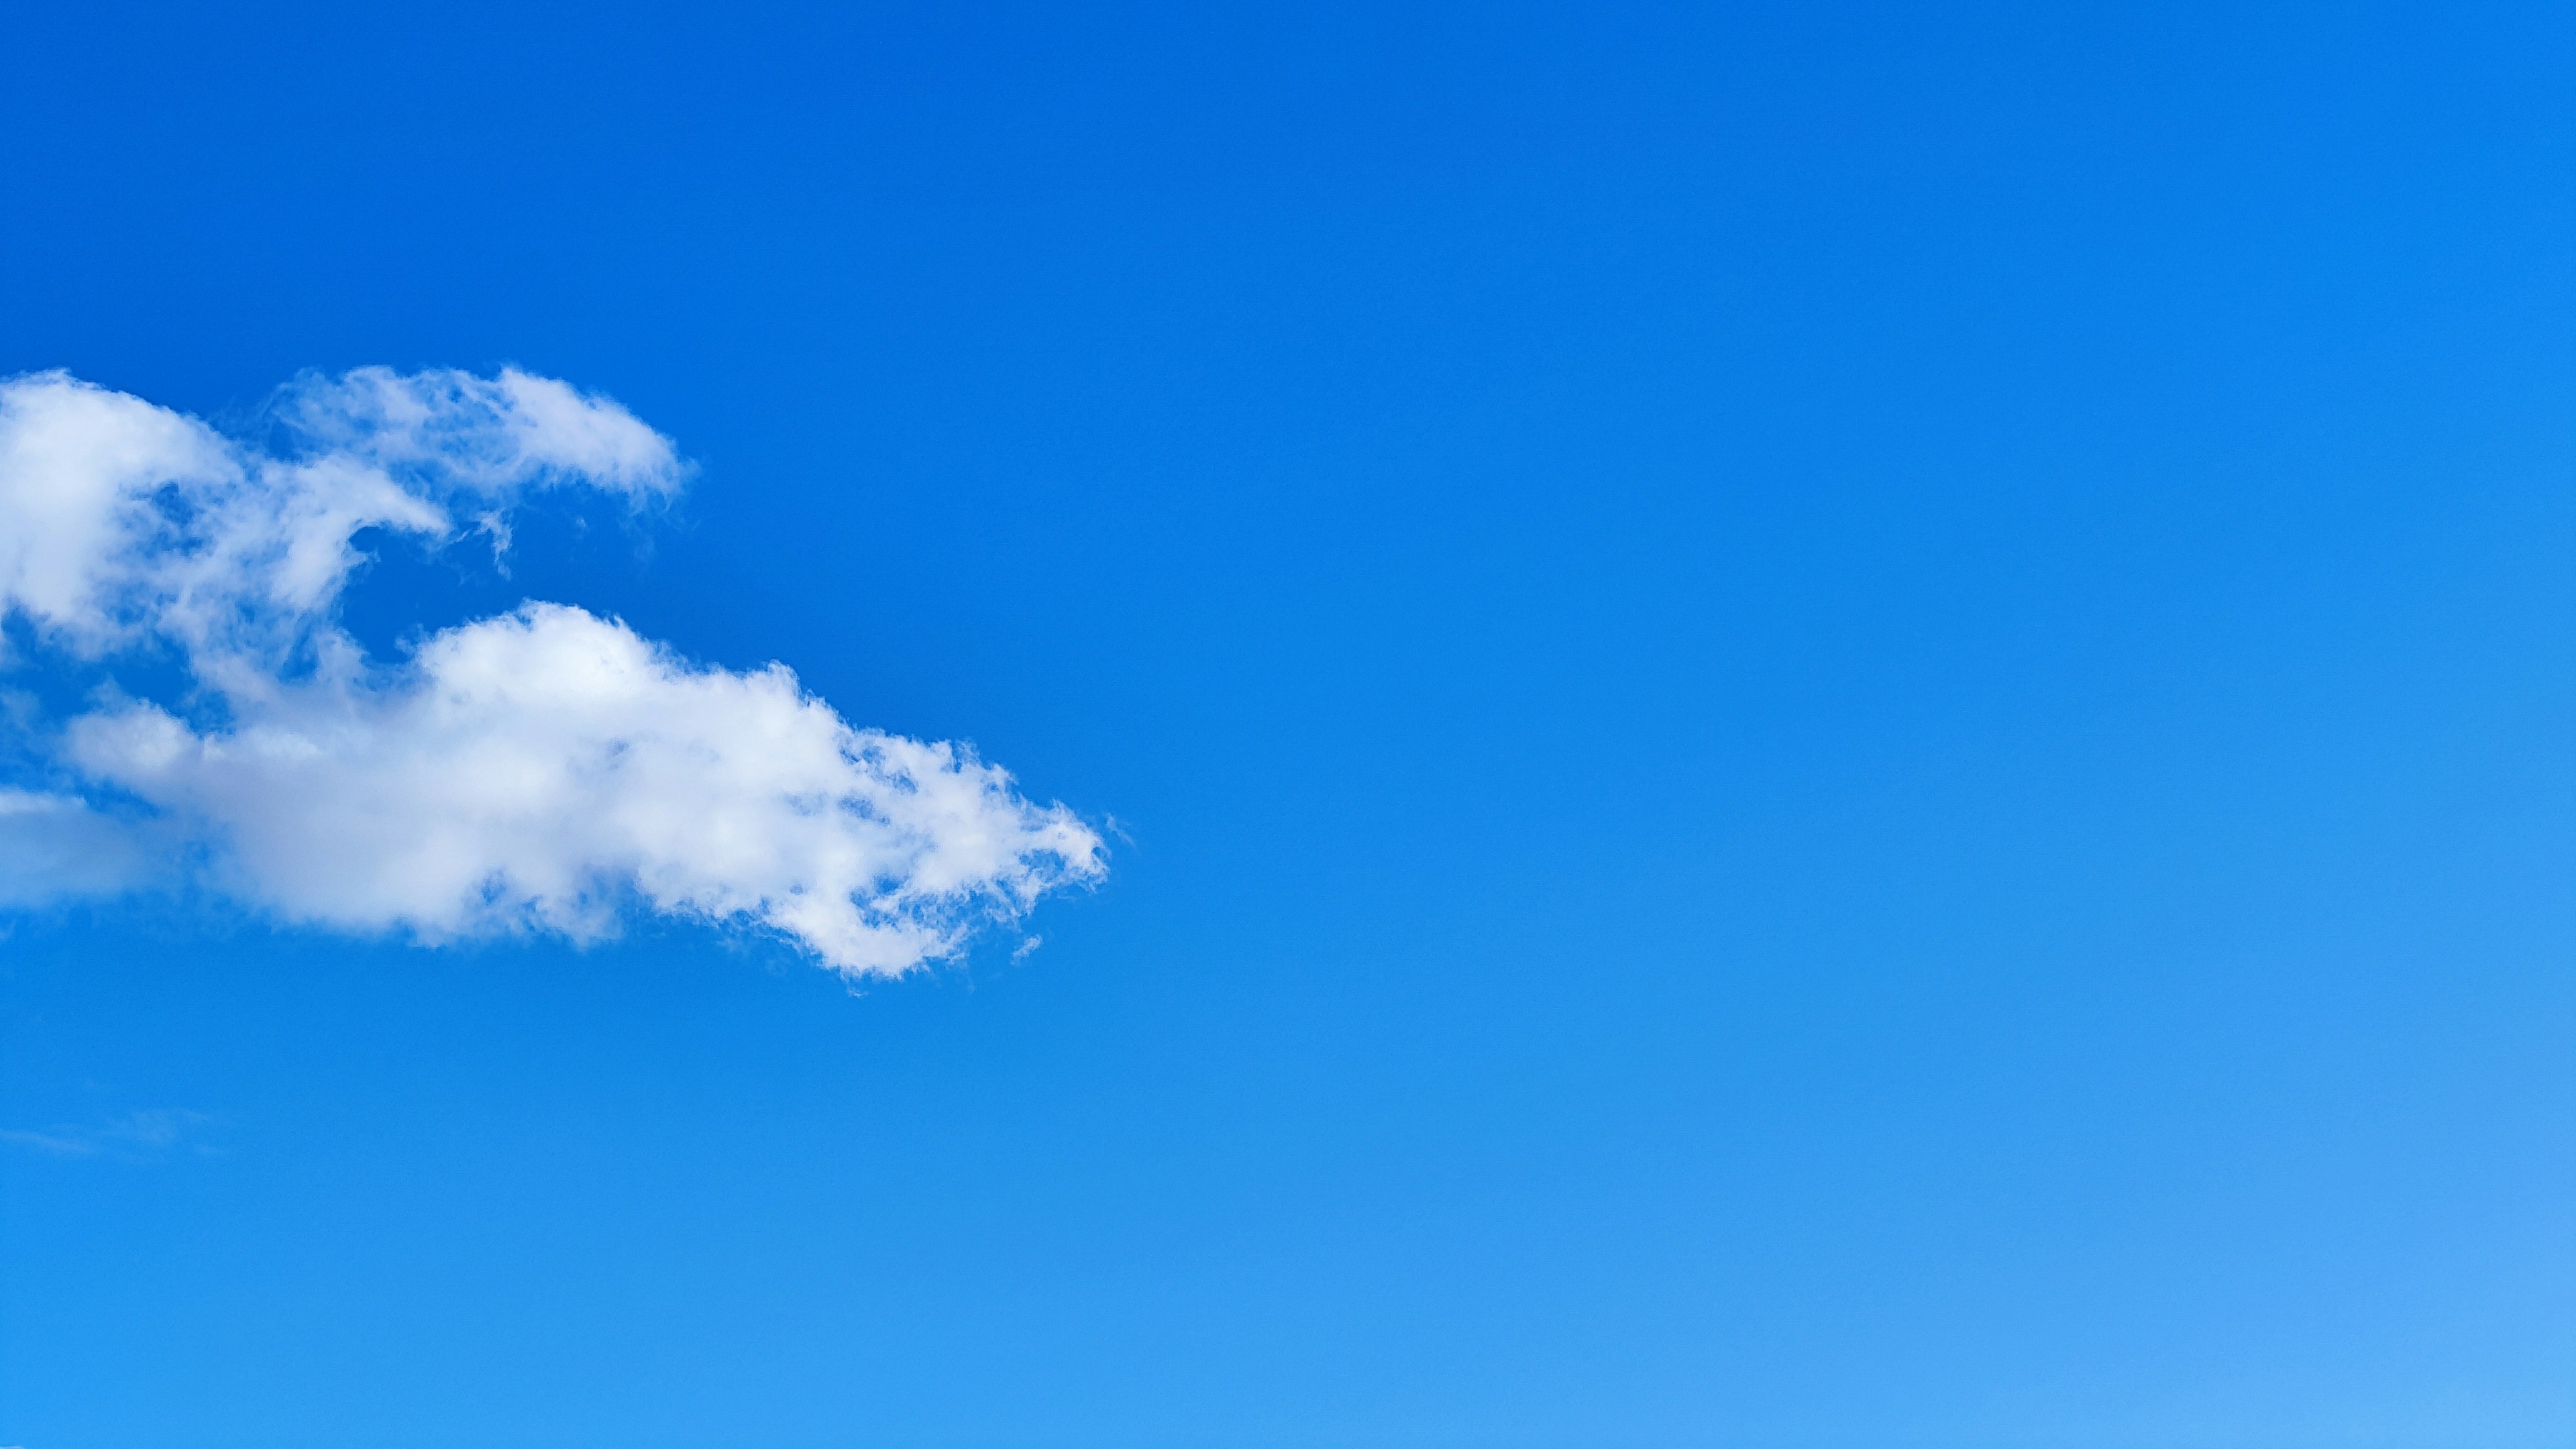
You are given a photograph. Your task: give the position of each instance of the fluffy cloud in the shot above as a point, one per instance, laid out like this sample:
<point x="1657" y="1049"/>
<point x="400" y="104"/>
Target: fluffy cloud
<point x="119" y="519"/>
<point x="541" y="771"/>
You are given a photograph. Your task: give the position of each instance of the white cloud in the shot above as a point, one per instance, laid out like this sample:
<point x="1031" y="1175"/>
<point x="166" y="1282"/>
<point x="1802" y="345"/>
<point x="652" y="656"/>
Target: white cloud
<point x="539" y="771"/>
<point x="120" y="520"/>
<point x="484" y="435"/>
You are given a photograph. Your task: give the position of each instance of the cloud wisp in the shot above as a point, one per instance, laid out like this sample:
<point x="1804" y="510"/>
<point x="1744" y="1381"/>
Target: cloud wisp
<point x="132" y="1135"/>
<point x="545" y="770"/>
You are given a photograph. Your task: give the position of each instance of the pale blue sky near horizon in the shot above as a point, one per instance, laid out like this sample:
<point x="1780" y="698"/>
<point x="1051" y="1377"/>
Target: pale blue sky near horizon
<point x="1826" y="725"/>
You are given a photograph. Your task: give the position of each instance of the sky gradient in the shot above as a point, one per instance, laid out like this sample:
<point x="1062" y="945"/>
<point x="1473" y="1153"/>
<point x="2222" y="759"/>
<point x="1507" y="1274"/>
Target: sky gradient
<point x="1818" y="725"/>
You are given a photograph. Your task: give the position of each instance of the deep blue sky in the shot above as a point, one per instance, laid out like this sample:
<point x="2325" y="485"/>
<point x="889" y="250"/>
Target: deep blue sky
<point x="1836" y="726"/>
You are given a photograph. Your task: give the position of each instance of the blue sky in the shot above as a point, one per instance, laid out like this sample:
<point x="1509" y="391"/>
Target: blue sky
<point x="1816" y="725"/>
